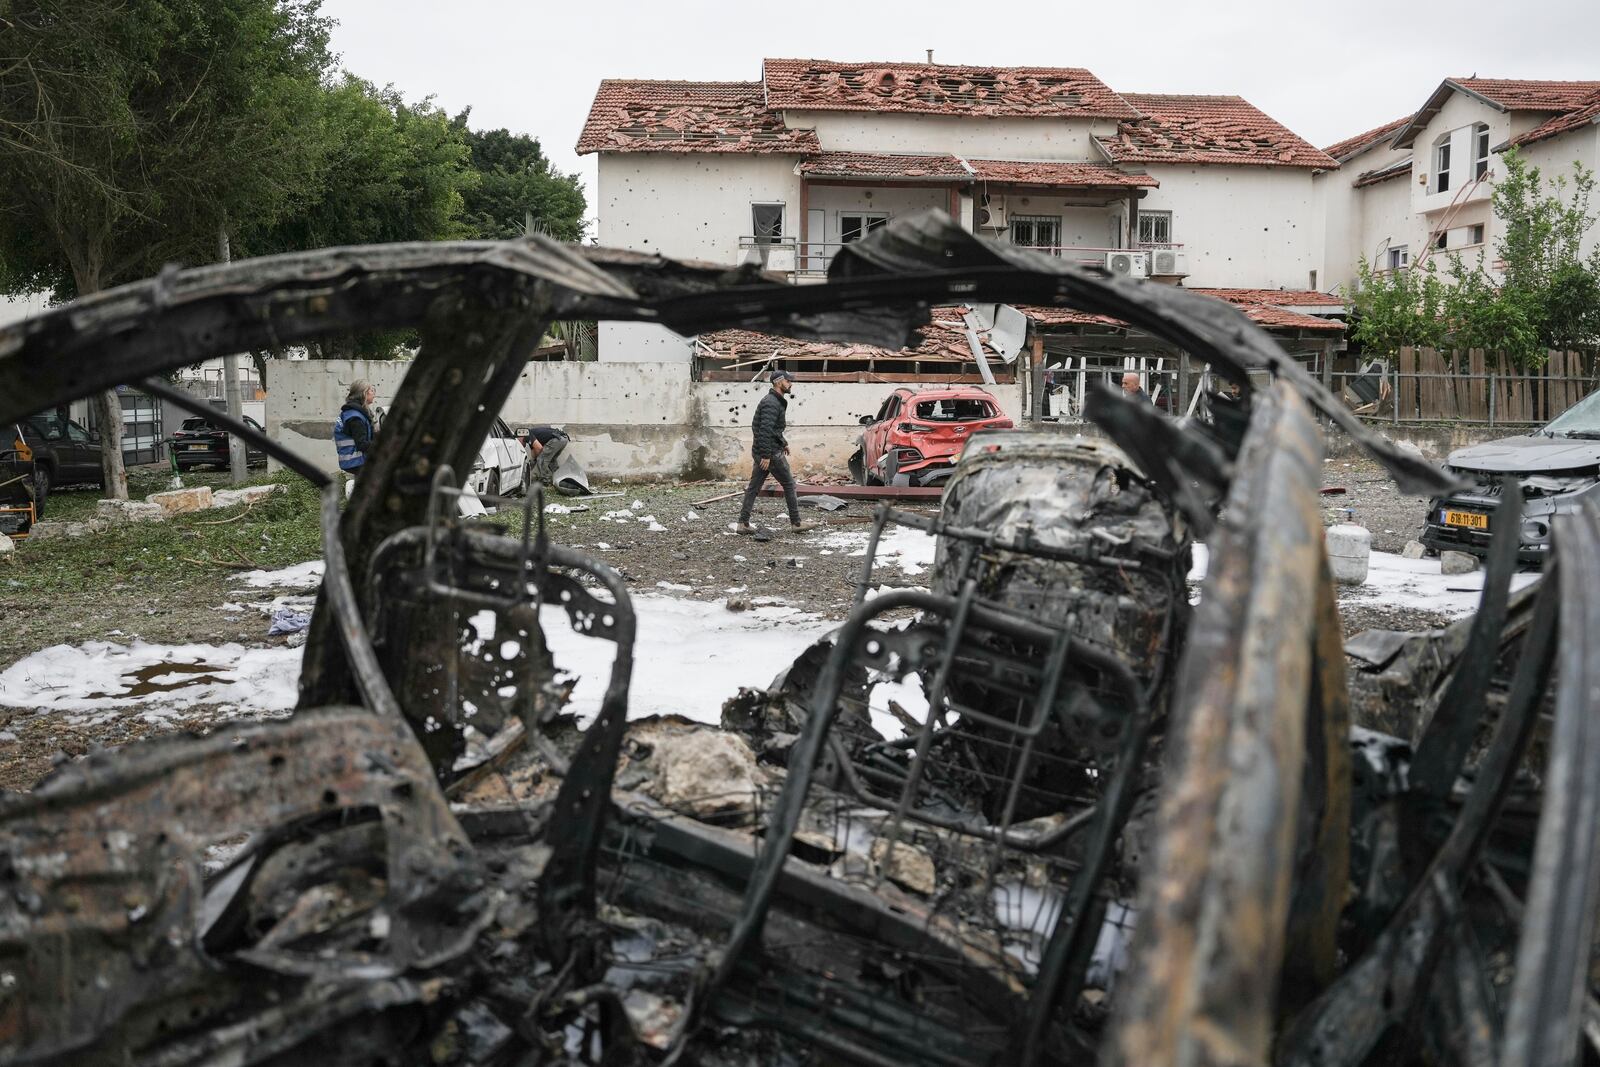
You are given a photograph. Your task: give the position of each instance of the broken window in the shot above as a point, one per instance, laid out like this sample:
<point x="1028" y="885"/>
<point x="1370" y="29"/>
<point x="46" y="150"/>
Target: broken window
<point x="1442" y="241"/>
<point x="1399" y="257"/>
<point x="1475" y="234"/>
<point x="1155" y="227"/>
<point x="1037" y="231"/>
<point x="955" y="409"/>
<point x="857" y="224"/>
<point x="766" y="222"/>
<point x="1441" y="164"/>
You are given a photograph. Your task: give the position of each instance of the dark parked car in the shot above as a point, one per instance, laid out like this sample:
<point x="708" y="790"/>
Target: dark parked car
<point x="64" y="453"/>
<point x="1558" y="466"/>
<point x="199" y="443"/>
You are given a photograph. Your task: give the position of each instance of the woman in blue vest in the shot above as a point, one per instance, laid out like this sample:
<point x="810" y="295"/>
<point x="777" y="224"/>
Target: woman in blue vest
<point x="353" y="430"/>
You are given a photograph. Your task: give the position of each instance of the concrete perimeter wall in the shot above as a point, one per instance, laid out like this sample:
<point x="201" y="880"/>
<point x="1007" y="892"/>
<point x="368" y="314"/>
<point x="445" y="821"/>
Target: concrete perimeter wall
<point x="627" y="420"/>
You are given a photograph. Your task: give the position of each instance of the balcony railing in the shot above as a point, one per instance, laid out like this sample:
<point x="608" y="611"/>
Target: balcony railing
<point x="810" y="259"/>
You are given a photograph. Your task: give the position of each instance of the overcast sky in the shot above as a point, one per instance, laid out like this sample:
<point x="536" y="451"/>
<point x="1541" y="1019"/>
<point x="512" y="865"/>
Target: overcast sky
<point x="1325" y="70"/>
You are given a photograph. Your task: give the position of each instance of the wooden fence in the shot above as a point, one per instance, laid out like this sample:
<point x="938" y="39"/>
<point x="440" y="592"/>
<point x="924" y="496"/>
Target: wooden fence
<point x="1472" y="387"/>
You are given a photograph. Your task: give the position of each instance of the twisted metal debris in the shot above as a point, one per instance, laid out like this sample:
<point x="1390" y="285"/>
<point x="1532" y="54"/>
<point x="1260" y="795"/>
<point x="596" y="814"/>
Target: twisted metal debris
<point x="1122" y="830"/>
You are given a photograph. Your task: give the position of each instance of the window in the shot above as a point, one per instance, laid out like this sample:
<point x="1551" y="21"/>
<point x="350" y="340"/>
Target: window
<point x="51" y="427"/>
<point x="855" y="225"/>
<point x="766" y="222"/>
<point x="1475" y="234"/>
<point x="1155" y="227"/>
<point x="77" y="433"/>
<point x="1480" y="141"/>
<point x="1037" y="231"/>
<point x="197" y="423"/>
<point x="954" y="409"/>
<point x="1399" y="257"/>
<point x="1442" y="241"/>
<point x="1441" y="164"/>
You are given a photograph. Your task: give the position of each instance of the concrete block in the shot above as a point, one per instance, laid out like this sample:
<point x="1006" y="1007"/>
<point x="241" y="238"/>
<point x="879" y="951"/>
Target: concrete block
<point x="1413" y="550"/>
<point x="129" y="511"/>
<point x="227" y="498"/>
<point x="1457" y="563"/>
<point x="178" y="501"/>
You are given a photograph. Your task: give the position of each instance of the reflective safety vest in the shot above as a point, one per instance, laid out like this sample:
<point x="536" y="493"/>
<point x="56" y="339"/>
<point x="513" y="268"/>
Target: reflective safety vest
<point x="350" y="457"/>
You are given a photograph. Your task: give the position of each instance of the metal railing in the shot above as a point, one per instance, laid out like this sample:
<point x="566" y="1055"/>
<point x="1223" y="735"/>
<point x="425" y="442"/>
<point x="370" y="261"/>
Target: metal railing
<point x="1384" y="393"/>
<point x="811" y="258"/>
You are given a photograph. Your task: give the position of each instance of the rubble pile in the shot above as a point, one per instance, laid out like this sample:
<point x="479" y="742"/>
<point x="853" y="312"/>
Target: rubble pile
<point x="1112" y="827"/>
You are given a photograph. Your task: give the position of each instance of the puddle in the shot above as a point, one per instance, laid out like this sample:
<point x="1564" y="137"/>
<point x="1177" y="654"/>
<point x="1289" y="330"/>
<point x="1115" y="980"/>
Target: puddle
<point x="158" y="678"/>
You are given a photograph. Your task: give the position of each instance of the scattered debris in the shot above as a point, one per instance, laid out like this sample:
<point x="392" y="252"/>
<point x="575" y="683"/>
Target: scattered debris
<point x="1453" y="562"/>
<point x="179" y="501"/>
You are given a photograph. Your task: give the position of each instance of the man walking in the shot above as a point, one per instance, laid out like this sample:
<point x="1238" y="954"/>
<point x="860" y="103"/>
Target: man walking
<point x="1131" y="389"/>
<point x="769" y="450"/>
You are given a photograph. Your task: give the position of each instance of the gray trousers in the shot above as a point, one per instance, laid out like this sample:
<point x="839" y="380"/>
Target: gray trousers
<point x="779" y="470"/>
<point x="544" y="468"/>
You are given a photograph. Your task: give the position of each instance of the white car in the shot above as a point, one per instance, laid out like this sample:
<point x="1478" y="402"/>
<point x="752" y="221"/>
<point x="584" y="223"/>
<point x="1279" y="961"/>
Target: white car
<point x="502" y="465"/>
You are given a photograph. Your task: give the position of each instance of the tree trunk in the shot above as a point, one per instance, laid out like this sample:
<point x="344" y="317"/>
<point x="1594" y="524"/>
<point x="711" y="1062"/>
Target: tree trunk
<point x="107" y="408"/>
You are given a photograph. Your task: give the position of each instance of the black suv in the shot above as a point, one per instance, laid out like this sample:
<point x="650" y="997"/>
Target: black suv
<point x="198" y="443"/>
<point x="64" y="453"/>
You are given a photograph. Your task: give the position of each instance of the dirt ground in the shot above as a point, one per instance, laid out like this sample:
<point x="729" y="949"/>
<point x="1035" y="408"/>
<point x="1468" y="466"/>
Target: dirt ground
<point x="665" y="539"/>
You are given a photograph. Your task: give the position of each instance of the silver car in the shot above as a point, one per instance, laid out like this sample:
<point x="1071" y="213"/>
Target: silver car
<point x="1557" y="465"/>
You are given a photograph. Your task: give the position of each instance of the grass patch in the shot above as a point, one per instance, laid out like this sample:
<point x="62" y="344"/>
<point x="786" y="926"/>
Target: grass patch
<point x="278" y="531"/>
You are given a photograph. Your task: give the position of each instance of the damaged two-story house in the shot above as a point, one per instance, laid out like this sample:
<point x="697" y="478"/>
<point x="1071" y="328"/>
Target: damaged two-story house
<point x="1203" y="191"/>
<point x="1422" y="186"/>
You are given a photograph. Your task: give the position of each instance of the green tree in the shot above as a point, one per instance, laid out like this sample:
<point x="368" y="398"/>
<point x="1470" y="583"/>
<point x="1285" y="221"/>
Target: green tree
<point x="516" y="183"/>
<point x="133" y="133"/>
<point x="1396" y="308"/>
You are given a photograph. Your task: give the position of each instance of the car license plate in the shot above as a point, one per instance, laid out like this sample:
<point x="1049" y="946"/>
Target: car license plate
<point x="1470" y="519"/>
<point x="197" y="448"/>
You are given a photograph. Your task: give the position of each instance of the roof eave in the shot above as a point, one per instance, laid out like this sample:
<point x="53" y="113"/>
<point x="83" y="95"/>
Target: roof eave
<point x="1407" y="134"/>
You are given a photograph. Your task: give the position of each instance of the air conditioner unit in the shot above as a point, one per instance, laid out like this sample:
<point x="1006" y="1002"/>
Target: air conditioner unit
<point x="1129" y="264"/>
<point x="1167" y="262"/>
<point x="991" y="213"/>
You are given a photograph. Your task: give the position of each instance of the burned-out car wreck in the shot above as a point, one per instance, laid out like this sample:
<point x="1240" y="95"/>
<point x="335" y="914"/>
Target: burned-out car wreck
<point x="1117" y="827"/>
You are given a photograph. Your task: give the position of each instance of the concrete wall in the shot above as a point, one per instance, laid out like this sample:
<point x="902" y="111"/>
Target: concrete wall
<point x="1555" y="157"/>
<point x="691" y="206"/>
<point x="971" y="138"/>
<point x="1249" y="227"/>
<point x="626" y="420"/>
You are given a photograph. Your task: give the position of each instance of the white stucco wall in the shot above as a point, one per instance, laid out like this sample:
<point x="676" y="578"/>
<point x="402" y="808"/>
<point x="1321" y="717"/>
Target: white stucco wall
<point x="1455" y="119"/>
<point x="971" y="138"/>
<point x="1249" y="227"/>
<point x="626" y="420"/>
<point x="1343" y="212"/>
<point x="690" y="206"/>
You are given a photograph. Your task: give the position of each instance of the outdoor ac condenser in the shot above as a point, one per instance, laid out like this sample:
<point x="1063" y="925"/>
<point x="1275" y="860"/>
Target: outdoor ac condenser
<point x="991" y="213"/>
<point x="1167" y="261"/>
<point x="1129" y="264"/>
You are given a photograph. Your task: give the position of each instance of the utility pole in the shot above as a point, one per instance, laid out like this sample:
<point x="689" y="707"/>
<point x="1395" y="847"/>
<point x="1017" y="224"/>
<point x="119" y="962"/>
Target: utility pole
<point x="237" y="465"/>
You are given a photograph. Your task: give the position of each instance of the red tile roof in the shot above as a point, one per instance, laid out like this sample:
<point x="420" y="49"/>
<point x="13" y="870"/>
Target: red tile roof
<point x="1354" y="146"/>
<point x="944" y="339"/>
<point x="1209" y="129"/>
<point x="1293" y="298"/>
<point x="939" y="89"/>
<point x="1564" y="123"/>
<point x="1261" y="309"/>
<point x="1507" y="94"/>
<point x="665" y="116"/>
<point x="1057" y="174"/>
<point x="1517" y="95"/>
<point x="885" y="167"/>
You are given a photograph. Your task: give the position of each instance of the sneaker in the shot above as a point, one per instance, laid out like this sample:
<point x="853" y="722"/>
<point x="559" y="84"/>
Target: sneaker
<point x="803" y="524"/>
<point x="744" y="528"/>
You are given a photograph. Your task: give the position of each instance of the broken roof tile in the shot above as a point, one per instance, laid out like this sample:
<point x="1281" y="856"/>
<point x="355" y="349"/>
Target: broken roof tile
<point x="1354" y="146"/>
<point x="1057" y="174"/>
<point x="1588" y="114"/>
<point x="669" y="116"/>
<point x="1209" y="129"/>
<point x="1381" y="174"/>
<point x="1515" y="94"/>
<point x="1264" y="307"/>
<point x="885" y="167"/>
<point x="939" y="89"/>
<point x="943" y="339"/>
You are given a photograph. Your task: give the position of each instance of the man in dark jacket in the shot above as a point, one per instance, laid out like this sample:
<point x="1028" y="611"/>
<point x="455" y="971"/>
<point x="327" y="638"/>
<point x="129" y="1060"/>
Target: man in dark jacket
<point x="769" y="450"/>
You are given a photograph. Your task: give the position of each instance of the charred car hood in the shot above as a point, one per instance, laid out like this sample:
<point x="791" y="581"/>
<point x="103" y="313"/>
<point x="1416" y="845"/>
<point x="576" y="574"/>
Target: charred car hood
<point x="1527" y="454"/>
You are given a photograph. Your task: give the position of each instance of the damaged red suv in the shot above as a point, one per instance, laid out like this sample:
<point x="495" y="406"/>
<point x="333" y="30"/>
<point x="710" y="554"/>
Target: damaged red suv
<point x="918" y="434"/>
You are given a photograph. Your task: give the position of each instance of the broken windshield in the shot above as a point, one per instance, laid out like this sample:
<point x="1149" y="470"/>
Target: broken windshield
<point x="955" y="409"/>
<point x="1580" y="420"/>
